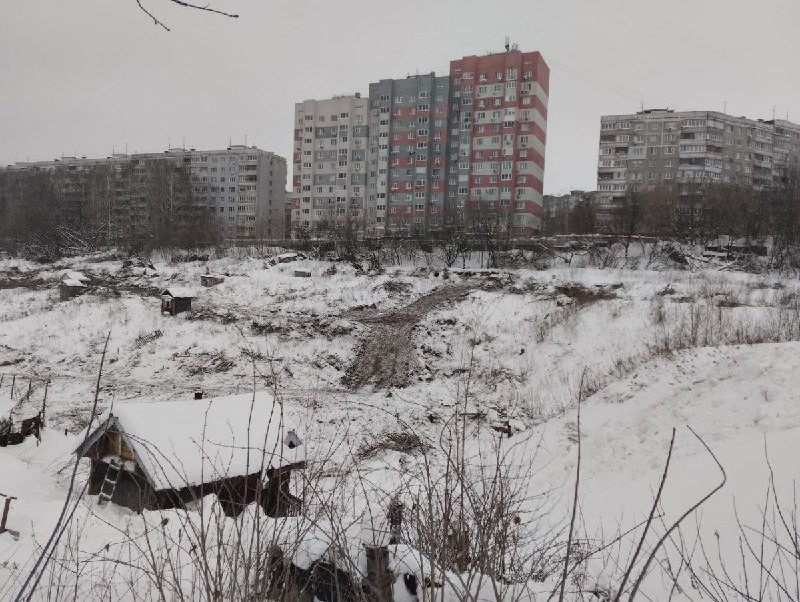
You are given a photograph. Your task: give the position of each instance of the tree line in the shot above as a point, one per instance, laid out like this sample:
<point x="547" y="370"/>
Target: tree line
<point x="702" y="213"/>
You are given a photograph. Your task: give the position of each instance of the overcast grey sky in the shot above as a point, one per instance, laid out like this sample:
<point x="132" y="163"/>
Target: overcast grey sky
<point x="83" y="76"/>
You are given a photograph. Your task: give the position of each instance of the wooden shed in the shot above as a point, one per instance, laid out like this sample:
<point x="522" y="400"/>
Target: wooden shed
<point x="175" y="300"/>
<point x="69" y="288"/>
<point x="147" y="456"/>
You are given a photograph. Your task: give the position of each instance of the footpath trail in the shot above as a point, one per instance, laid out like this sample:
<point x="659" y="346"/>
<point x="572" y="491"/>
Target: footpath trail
<point x="386" y="357"/>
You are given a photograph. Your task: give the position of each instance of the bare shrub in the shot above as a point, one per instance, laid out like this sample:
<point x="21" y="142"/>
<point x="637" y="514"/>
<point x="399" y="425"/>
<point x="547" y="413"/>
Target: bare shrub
<point x="405" y="442"/>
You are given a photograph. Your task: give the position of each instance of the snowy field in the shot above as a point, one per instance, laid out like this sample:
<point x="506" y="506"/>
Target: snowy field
<point x="499" y="361"/>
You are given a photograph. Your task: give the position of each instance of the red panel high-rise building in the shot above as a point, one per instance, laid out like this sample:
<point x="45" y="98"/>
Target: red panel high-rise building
<point x="498" y="126"/>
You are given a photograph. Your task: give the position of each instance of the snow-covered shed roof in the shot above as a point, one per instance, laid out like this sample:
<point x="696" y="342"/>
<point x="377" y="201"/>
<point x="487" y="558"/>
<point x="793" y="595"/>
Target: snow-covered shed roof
<point x="286" y="256"/>
<point x="179" y="291"/>
<point x="183" y="443"/>
<point x="72" y="275"/>
<point x="72" y="282"/>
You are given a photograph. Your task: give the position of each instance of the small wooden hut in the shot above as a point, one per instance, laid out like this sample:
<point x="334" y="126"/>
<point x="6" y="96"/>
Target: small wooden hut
<point x="148" y="456"/>
<point x="70" y="288"/>
<point x="175" y="300"/>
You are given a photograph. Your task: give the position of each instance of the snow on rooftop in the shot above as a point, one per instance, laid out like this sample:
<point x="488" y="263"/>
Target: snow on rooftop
<point x="72" y="275"/>
<point x="179" y="291"/>
<point x="72" y="282"/>
<point x="181" y="443"/>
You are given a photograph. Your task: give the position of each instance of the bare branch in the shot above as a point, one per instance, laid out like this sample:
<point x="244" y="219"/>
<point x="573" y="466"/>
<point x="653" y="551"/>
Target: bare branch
<point x="677" y="523"/>
<point x="207" y="8"/>
<point x="575" y="500"/>
<point x="649" y="519"/>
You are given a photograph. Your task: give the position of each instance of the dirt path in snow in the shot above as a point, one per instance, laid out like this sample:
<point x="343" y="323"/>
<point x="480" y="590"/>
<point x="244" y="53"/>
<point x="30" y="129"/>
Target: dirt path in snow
<point x="386" y="357"/>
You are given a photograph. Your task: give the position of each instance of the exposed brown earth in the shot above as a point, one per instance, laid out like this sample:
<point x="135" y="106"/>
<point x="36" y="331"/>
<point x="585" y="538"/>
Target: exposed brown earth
<point x="386" y="357"/>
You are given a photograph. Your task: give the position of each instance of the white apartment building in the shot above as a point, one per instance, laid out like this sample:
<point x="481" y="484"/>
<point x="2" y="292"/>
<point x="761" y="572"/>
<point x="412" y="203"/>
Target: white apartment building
<point x="329" y="183"/>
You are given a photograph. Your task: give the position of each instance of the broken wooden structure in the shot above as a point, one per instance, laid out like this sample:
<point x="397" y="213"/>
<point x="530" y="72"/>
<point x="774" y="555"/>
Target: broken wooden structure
<point x="159" y="455"/>
<point x="14" y="433"/>
<point x="18" y="420"/>
<point x="211" y="279"/>
<point x="287" y="257"/>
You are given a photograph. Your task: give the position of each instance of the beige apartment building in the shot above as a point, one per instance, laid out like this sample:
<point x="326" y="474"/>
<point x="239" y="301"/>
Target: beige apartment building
<point x="657" y="146"/>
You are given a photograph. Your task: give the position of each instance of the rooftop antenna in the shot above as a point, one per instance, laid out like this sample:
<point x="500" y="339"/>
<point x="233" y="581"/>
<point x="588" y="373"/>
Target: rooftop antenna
<point x="245" y="139"/>
<point x="773" y="112"/>
<point x="169" y="143"/>
<point x="184" y="144"/>
<point x="126" y="148"/>
<point x="508" y="43"/>
<point x="725" y="106"/>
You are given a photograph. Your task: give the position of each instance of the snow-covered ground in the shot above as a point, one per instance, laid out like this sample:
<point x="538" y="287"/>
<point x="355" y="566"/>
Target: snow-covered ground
<point x="645" y="351"/>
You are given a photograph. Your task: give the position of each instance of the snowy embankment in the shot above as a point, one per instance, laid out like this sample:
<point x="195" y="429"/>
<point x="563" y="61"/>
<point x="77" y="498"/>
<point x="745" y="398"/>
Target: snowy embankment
<point x="647" y="351"/>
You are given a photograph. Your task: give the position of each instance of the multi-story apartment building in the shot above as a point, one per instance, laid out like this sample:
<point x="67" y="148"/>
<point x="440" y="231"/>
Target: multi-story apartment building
<point x="408" y="124"/>
<point x="498" y="129"/>
<point x="660" y="146"/>
<point x="329" y="182"/>
<point x="242" y="188"/>
<point x="425" y="151"/>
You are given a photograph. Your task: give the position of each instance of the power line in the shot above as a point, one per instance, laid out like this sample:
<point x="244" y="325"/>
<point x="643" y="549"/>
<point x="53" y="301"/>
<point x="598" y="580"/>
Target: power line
<point x="613" y="87"/>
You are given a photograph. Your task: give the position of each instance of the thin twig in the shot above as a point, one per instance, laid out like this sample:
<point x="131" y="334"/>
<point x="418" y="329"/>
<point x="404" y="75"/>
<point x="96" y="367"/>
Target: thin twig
<point x="649" y="519"/>
<point x="677" y="523"/>
<point x="57" y="529"/>
<point x="575" y="500"/>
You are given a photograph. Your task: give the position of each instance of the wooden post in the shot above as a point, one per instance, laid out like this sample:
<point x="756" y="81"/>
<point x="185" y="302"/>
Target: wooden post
<point x="379" y="577"/>
<point x="13" y="382"/>
<point x="44" y="401"/>
<point x="5" y="512"/>
<point x="395" y="517"/>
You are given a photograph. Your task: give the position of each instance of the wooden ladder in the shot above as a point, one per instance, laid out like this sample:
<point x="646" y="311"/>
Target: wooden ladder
<point x="110" y="481"/>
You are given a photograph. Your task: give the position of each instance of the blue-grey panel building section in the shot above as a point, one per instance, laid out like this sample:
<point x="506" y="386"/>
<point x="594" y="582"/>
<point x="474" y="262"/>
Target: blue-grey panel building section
<point x="408" y="121"/>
